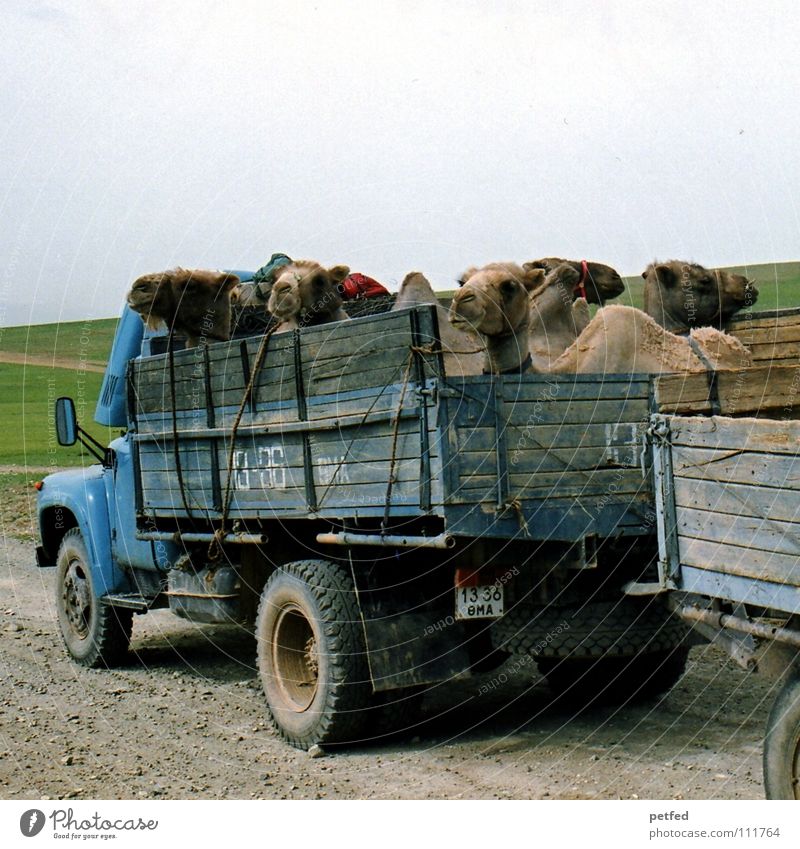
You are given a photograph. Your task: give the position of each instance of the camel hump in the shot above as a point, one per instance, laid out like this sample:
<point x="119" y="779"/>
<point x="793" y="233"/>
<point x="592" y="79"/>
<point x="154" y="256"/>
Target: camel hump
<point x="414" y="290"/>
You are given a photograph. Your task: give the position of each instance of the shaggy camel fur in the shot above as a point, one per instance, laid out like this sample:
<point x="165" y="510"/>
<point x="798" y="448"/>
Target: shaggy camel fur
<point x="621" y="340"/>
<point x="195" y="303"/>
<point x="463" y="353"/>
<point x="306" y="294"/>
<point x="683" y="295"/>
<point x="617" y="340"/>
<point x="595" y="282"/>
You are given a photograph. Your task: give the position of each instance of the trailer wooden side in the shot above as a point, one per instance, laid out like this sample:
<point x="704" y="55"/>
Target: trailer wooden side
<point x="735" y="504"/>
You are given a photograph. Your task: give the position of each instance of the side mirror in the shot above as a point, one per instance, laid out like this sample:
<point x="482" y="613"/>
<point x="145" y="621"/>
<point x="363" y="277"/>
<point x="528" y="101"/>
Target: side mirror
<point x="66" y="422"/>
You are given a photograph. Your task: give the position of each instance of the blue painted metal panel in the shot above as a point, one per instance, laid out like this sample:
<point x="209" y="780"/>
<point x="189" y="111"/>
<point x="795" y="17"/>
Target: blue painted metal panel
<point x="769" y="594"/>
<point x="111" y="407"/>
<point x="83" y="493"/>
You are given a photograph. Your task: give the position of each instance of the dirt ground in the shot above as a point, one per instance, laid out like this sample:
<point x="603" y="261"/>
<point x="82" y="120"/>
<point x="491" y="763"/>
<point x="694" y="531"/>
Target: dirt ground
<point x="186" y="720"/>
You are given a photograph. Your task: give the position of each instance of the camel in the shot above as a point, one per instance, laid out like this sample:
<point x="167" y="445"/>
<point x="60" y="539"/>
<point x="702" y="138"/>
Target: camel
<point x="620" y="340"/>
<point x="555" y="320"/>
<point x="617" y="340"/>
<point x="594" y="282"/>
<point x="463" y="353"/>
<point x="683" y="295"/>
<point x="195" y="303"/>
<point x="306" y="294"/>
<point x="493" y="303"/>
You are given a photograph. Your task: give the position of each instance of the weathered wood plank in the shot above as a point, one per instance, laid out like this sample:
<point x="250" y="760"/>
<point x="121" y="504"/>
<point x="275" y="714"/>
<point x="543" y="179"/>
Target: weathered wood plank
<point x="476" y="413"/>
<point x="738" y="499"/>
<point x="740" y="391"/>
<point x="736" y="466"/>
<point x="735" y="560"/>
<point x="768" y="333"/>
<point x="613" y="484"/>
<point x="765" y="534"/>
<point x="718" y="432"/>
<point x="532" y="462"/>
<point x="521" y="439"/>
<point x="760" y="593"/>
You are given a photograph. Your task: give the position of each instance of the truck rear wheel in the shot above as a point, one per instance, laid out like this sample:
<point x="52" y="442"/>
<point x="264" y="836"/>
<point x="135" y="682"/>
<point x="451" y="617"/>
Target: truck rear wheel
<point x="782" y="744"/>
<point x="395" y="712"/>
<point x="312" y="654"/>
<point x="614" y="680"/>
<point x="94" y="633"/>
<point x="601" y="652"/>
<point x="624" y="627"/>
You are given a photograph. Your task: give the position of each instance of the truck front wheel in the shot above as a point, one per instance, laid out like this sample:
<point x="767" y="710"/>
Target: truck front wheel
<point x="94" y="633"/>
<point x="312" y="654"/>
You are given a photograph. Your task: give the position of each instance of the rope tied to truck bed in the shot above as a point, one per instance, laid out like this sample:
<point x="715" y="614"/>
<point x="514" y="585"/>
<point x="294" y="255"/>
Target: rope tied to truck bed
<point x="516" y="505"/>
<point x="173" y="404"/>
<point x="413" y="351"/>
<point x="215" y="546"/>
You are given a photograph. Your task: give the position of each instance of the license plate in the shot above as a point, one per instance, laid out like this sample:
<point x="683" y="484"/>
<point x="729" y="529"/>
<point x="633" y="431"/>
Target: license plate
<point x="484" y="601"/>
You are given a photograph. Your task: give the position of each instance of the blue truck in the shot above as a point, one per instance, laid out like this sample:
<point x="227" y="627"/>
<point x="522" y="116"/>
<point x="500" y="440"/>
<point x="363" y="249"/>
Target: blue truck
<point x="380" y="524"/>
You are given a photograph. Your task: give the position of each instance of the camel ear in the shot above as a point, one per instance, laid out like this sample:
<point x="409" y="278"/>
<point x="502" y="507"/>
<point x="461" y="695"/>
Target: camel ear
<point x="338" y="273"/>
<point x="533" y="277"/>
<point x="227" y="282"/>
<point x="470" y="272"/>
<point x="536" y="263"/>
<point x="665" y="275"/>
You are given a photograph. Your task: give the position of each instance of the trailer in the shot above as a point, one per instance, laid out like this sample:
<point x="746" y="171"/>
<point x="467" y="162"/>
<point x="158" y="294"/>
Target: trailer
<point x="726" y="472"/>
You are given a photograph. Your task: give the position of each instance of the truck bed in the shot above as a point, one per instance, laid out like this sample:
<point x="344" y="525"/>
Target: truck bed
<point x="338" y="409"/>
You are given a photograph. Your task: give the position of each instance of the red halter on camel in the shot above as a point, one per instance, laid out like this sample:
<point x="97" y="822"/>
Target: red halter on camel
<point x="580" y="286"/>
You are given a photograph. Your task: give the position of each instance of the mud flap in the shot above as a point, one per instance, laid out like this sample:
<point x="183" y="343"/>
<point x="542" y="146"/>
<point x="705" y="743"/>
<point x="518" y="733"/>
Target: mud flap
<point x="415" y="648"/>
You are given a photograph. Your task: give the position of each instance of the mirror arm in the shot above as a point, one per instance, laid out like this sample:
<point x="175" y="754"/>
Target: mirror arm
<point x="92" y="445"/>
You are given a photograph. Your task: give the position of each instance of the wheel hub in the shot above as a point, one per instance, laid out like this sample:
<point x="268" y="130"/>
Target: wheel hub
<point x="77" y="599"/>
<point x="295" y="658"/>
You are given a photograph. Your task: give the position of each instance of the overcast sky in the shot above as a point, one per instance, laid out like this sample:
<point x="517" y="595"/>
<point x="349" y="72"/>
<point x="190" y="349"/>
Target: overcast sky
<point x="138" y="136"/>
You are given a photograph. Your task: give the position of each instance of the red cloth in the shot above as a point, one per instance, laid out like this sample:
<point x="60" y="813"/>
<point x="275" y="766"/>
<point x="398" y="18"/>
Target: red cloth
<point x="360" y="286"/>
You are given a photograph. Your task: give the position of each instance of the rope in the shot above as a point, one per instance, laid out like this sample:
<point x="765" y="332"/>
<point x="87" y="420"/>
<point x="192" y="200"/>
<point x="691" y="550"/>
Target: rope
<point x="173" y="404"/>
<point x="215" y="546"/>
<point x="516" y="505"/>
<point x="425" y="349"/>
<point x="395" y="433"/>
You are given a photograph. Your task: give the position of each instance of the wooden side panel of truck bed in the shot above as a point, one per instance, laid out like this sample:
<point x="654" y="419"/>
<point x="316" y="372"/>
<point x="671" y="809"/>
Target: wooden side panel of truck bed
<point x="340" y="409"/>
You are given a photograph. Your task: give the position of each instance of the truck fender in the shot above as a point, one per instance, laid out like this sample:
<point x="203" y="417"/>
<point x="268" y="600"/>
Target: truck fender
<point x="79" y="500"/>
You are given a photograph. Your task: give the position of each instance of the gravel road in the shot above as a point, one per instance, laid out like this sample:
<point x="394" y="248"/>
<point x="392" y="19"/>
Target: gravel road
<point x="185" y="719"/>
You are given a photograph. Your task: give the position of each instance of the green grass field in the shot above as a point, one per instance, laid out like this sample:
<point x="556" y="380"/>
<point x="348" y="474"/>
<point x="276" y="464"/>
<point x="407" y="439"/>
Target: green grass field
<point x="88" y="341"/>
<point x="27" y="394"/>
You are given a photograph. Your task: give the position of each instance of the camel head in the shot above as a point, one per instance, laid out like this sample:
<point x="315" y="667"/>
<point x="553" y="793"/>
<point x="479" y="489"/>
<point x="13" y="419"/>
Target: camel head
<point x="682" y="295"/>
<point x="192" y="301"/>
<point x="306" y="293"/>
<point x="599" y="282"/>
<point x="493" y="300"/>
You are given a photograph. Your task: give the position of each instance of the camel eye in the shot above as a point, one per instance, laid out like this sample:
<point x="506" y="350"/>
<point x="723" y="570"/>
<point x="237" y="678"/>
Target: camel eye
<point x="508" y="287"/>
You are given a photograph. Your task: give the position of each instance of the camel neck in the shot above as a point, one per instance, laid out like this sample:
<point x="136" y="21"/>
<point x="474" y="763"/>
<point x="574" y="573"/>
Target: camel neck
<point x="507" y="353"/>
